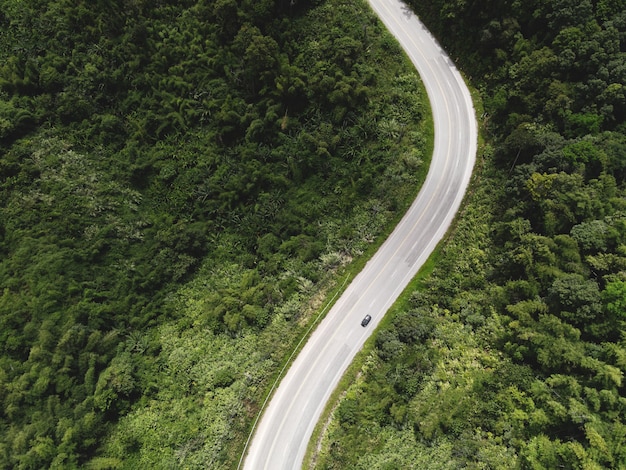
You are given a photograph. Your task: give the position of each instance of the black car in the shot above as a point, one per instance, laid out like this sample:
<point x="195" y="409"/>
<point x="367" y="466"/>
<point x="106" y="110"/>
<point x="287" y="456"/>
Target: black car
<point x="366" y="320"/>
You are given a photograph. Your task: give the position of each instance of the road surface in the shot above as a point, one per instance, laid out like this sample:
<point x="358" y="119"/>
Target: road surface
<point x="281" y="437"/>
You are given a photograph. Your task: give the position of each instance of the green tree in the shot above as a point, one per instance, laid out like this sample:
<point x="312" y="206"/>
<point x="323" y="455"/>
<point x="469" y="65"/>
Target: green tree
<point x="614" y="298"/>
<point x="575" y="299"/>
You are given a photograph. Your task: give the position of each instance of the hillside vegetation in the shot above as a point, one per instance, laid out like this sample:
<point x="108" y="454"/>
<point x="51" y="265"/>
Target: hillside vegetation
<point x="512" y="353"/>
<point x="181" y="183"/>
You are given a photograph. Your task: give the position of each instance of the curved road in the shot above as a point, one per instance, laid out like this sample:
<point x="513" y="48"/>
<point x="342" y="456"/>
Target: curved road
<point x="283" y="433"/>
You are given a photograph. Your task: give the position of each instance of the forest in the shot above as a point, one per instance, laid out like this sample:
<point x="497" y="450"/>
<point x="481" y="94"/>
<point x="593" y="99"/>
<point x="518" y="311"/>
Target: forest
<point x="511" y="351"/>
<point x="183" y="186"/>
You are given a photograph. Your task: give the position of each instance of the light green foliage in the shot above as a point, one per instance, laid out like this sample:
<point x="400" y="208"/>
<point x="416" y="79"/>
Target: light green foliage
<point x="614" y="296"/>
<point x="199" y="384"/>
<point x="398" y="449"/>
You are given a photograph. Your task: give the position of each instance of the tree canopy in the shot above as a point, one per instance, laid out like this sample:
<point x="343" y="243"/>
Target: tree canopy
<point x="521" y="357"/>
<point x="180" y="183"/>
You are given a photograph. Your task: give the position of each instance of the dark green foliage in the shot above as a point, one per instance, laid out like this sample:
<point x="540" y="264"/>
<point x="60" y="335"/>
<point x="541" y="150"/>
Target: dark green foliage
<point x="240" y="148"/>
<point x="560" y="62"/>
<point x="522" y="320"/>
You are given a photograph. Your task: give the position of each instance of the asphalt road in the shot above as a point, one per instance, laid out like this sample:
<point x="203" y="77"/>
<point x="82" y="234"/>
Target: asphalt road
<point x="283" y="433"/>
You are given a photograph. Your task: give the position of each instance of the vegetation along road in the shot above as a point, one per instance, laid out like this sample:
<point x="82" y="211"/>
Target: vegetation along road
<point x="282" y="435"/>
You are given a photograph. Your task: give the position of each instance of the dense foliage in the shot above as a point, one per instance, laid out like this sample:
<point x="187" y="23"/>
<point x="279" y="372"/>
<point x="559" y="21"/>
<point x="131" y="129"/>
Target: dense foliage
<point x="512" y="354"/>
<point x="179" y="183"/>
